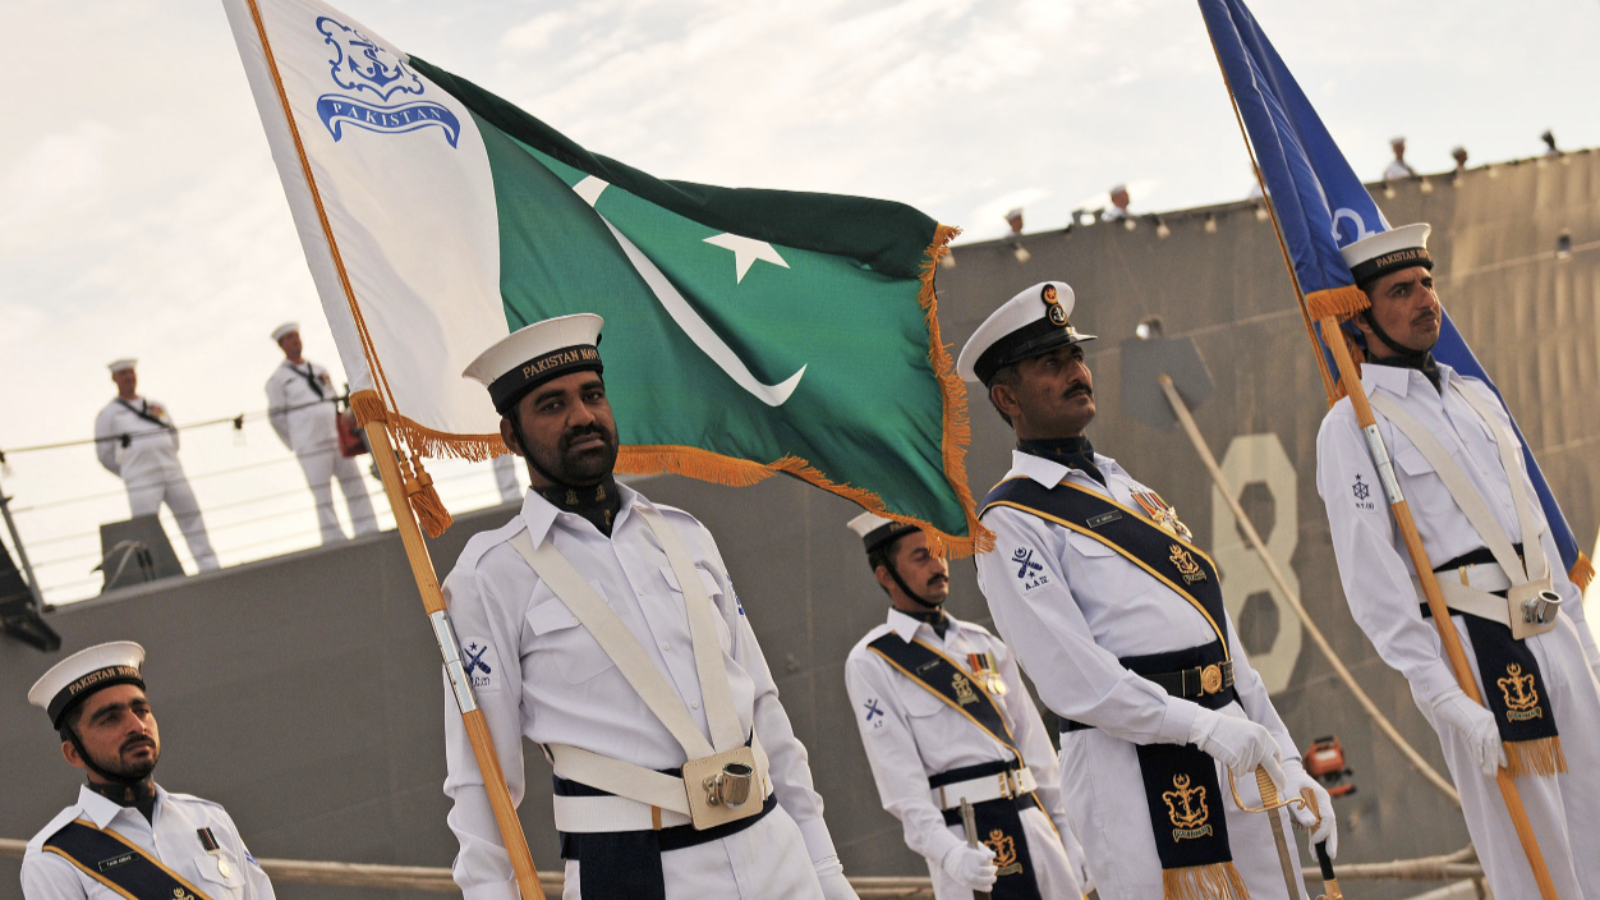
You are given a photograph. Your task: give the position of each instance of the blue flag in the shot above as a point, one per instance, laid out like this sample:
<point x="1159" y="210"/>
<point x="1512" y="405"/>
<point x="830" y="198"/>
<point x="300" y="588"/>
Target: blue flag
<point x="1321" y="206"/>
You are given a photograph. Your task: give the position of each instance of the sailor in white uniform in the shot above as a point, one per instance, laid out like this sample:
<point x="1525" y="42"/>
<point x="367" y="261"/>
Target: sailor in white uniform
<point x="1451" y="440"/>
<point x="945" y="717"/>
<point x="1398" y="168"/>
<point x="136" y="441"/>
<point x="1116" y="616"/>
<point x="603" y="627"/>
<point x="301" y="408"/>
<point x="126" y="836"/>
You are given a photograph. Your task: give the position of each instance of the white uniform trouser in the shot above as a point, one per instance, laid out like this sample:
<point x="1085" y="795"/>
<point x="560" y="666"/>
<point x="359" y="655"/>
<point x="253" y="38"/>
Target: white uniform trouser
<point x="1565" y="810"/>
<point x="321" y="466"/>
<point x="1051" y="867"/>
<point x="1104" y="795"/>
<point x="167" y="484"/>
<point x="767" y="861"/>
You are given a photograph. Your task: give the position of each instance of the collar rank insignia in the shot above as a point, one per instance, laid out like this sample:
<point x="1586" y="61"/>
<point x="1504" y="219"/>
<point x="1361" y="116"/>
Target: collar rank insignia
<point x="1522" y="700"/>
<point x="1005" y="852"/>
<point x="1186" y="566"/>
<point x="1163" y="514"/>
<point x="963" y="688"/>
<point x="987" y="672"/>
<point x="1186" y="807"/>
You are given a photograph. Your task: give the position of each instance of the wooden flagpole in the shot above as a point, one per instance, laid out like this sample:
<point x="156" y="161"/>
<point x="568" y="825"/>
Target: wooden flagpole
<point x="398" y="489"/>
<point x="1404" y="523"/>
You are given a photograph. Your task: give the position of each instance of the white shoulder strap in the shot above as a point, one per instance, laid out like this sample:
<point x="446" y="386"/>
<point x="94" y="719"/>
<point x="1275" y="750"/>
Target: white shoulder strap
<point x="616" y="640"/>
<point x="1455" y="481"/>
<point x="726" y="730"/>
<point x="1532" y="551"/>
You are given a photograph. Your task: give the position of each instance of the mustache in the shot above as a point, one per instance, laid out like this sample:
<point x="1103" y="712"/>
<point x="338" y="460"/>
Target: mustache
<point x="135" y="742"/>
<point x="937" y="579"/>
<point x="1426" y="317"/>
<point x="573" y="434"/>
<point x="1078" y="387"/>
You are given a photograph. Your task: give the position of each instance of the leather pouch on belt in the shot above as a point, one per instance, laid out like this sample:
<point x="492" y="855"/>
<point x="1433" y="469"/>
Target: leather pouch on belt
<point x="724" y="787"/>
<point x="1533" y="608"/>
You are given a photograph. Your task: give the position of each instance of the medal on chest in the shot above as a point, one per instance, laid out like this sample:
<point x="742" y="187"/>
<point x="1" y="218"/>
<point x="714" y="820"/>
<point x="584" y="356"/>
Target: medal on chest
<point x="986" y="672"/>
<point x="1163" y="514"/>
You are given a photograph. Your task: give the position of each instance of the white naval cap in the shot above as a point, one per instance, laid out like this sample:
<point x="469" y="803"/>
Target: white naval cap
<point x="1030" y="324"/>
<point x="1373" y="257"/>
<point x="285" y="329"/>
<point x="117" y="365"/>
<point x="1014" y="214"/>
<point x="875" y="531"/>
<point x="84" y="673"/>
<point x="1118" y="189"/>
<point x="530" y="356"/>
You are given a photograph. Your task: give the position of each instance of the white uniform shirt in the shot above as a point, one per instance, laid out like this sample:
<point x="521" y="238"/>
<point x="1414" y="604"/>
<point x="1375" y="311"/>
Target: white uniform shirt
<point x="303" y="421"/>
<point x="1397" y="170"/>
<point x="910" y="734"/>
<point x="152" y="451"/>
<point x="171" y="837"/>
<point x="539" y="674"/>
<point x="1373" y="562"/>
<point x="1070" y="622"/>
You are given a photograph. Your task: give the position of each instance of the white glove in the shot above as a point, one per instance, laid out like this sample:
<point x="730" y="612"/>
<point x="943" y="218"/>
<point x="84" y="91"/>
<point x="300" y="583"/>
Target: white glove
<point x="1476" y="725"/>
<point x="830" y="874"/>
<point x="972" y="868"/>
<point x="1326" y="830"/>
<point x="1239" y="744"/>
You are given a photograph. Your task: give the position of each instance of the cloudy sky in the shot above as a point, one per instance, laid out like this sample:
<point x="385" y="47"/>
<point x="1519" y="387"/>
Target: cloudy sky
<point x="140" y="213"/>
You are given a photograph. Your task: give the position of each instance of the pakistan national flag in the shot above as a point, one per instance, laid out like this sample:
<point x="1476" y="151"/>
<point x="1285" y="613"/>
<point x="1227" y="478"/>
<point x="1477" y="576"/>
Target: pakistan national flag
<point x="747" y="331"/>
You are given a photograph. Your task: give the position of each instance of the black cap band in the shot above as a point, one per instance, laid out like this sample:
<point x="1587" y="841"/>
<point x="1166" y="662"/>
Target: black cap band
<point x="81" y="688"/>
<point x="1026" y="342"/>
<point x="1379" y="266"/>
<point x="885" y="533"/>
<point x="515" y="384"/>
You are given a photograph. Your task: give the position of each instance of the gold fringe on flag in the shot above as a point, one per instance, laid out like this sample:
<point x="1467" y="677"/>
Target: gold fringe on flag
<point x="1542" y="756"/>
<point x="1339" y="302"/>
<point x="430" y="511"/>
<point x="1582" y="572"/>
<point x="1216" y="881"/>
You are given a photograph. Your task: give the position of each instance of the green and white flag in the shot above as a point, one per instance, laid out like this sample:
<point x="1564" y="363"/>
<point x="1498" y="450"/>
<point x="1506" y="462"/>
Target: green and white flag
<point x="747" y="331"/>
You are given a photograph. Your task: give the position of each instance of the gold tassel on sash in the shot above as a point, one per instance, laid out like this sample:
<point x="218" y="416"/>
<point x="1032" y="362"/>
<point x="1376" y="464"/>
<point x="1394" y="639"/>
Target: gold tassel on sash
<point x="1542" y="756"/>
<point x="1217" y="881"/>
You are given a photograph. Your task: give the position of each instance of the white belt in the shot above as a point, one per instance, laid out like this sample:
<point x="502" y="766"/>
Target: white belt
<point x="1469" y="590"/>
<point x="644" y="798"/>
<point x="587" y="815"/>
<point x="1007" y="785"/>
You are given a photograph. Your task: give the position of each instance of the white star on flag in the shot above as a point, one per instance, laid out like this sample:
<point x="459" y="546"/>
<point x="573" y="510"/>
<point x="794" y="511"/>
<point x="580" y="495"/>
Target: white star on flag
<point x="746" y="251"/>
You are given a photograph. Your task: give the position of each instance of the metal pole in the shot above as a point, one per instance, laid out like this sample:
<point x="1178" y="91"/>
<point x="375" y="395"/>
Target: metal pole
<point x="22" y="552"/>
<point x="1186" y="418"/>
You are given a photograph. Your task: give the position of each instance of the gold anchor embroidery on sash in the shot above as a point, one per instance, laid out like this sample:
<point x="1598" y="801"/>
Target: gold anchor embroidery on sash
<point x="1524" y="705"/>
<point x="1005" y="852"/>
<point x="1187" y="567"/>
<point x="181" y="894"/>
<point x="1190" y="821"/>
<point x="963" y="688"/>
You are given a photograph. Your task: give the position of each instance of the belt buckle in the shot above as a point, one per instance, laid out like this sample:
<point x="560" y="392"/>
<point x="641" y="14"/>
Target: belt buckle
<point x="1211" y="679"/>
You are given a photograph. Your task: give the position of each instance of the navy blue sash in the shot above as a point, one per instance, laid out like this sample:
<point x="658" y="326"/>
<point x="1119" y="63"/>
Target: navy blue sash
<point x="940" y="676"/>
<point x="1182" y="792"/>
<point x="118" y="864"/>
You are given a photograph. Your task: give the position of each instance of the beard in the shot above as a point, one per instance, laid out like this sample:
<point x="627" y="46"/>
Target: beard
<point x="584" y="467"/>
<point x="132" y="769"/>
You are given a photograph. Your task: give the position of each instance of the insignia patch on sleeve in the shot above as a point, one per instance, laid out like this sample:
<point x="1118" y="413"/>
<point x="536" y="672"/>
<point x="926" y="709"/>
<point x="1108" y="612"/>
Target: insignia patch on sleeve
<point x="1030" y="573"/>
<point x="481" y="664"/>
<point x="875" y="714"/>
<point x="1362" y="494"/>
